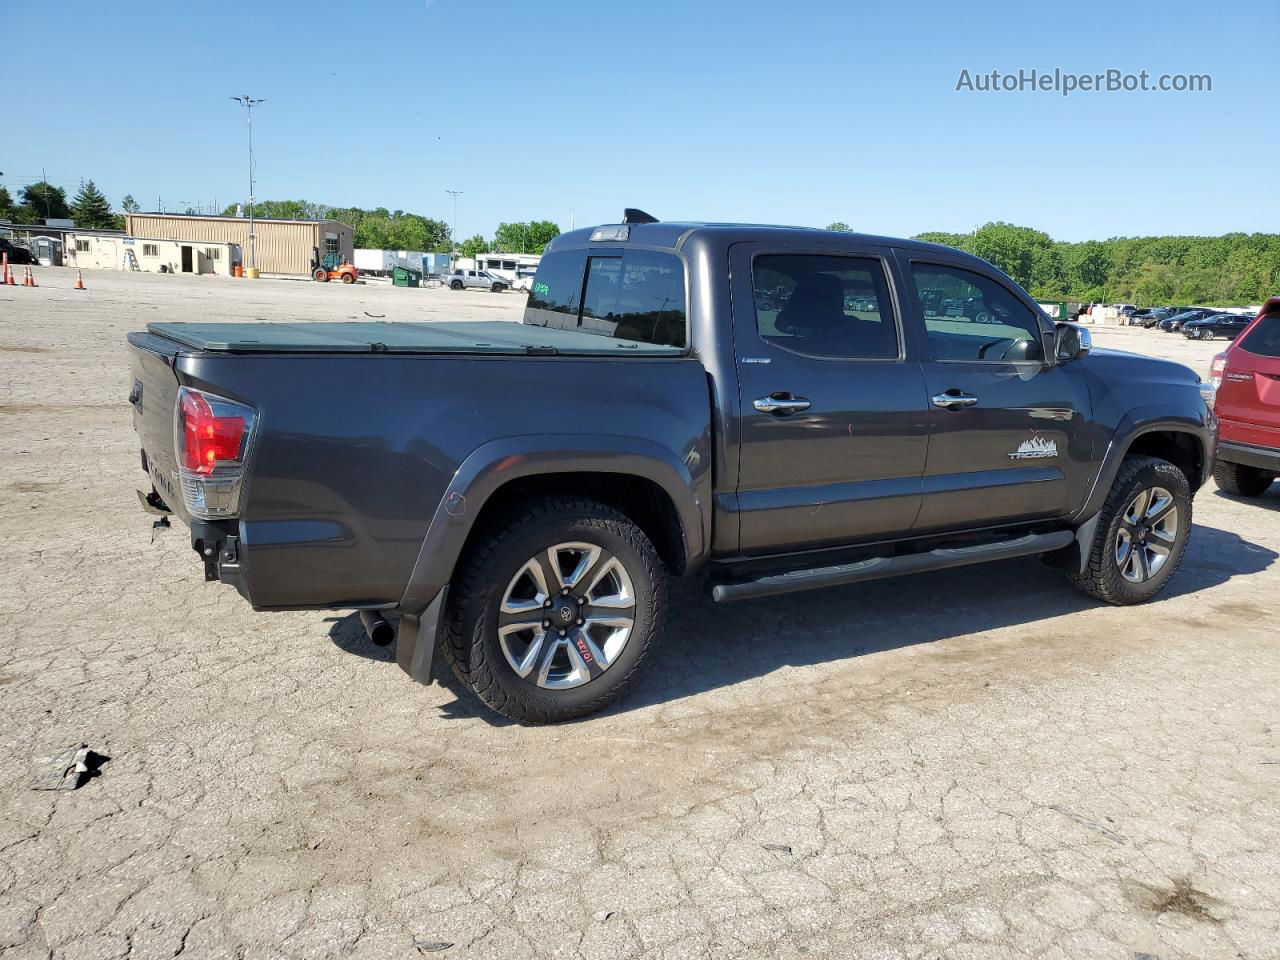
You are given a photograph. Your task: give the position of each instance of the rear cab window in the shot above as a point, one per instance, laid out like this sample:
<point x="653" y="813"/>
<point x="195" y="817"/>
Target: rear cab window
<point x="624" y="294"/>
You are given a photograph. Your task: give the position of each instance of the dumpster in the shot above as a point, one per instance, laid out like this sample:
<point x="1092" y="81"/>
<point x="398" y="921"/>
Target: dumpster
<point x="406" y="277"/>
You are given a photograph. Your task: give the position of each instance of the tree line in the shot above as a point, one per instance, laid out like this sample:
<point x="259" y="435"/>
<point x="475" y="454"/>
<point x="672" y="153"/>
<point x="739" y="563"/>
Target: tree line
<point x="1234" y="269"/>
<point x="383" y="229"/>
<point x="42" y="201"/>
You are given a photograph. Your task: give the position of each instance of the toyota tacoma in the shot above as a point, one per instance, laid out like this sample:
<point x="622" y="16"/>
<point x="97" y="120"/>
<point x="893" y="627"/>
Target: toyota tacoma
<point x="769" y="408"/>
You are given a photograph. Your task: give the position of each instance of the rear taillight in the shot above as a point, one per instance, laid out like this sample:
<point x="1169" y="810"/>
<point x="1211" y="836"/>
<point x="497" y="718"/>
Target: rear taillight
<point x="1215" y="370"/>
<point x="211" y="437"/>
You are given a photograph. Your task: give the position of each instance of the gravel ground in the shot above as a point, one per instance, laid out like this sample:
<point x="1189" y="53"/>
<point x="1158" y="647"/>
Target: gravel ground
<point x="977" y="763"/>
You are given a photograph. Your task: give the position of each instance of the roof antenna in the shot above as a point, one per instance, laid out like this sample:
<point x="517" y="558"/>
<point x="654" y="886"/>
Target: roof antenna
<point x="632" y="215"/>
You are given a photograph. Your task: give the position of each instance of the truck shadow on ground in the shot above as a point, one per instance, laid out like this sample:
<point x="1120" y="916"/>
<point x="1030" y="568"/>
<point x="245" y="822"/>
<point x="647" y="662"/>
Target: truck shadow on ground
<point x="709" y="646"/>
<point x="1267" y="501"/>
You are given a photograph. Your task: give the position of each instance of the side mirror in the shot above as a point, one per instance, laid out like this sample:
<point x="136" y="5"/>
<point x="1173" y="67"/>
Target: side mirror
<point x="1071" y="342"/>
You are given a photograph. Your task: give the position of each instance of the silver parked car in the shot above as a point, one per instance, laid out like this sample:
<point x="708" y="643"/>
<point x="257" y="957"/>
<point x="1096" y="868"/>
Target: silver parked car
<point x="475" y="279"/>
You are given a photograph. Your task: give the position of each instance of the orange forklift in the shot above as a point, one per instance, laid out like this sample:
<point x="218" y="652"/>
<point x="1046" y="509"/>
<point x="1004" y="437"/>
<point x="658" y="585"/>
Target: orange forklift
<point x="331" y="267"/>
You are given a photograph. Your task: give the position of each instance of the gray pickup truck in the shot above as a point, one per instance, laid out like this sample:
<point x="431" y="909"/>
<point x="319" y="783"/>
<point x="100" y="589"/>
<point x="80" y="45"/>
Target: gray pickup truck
<point x="771" y="408"/>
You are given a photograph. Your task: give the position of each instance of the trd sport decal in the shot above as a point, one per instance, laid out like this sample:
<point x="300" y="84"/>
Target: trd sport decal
<point x="1034" y="449"/>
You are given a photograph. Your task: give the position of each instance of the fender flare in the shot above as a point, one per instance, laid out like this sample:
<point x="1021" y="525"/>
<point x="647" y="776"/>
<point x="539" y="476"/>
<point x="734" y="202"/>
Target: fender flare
<point x="1134" y="424"/>
<point x="500" y="461"/>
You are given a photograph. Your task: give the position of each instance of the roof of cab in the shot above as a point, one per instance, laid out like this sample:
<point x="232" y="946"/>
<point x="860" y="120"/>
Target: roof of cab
<point x="675" y="233"/>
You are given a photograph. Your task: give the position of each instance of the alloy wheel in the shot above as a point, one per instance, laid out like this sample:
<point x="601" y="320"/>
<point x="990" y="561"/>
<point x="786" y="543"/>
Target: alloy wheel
<point x="566" y="615"/>
<point x="1148" y="531"/>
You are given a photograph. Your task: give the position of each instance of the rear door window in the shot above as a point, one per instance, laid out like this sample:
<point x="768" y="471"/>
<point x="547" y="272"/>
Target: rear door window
<point x="824" y="306"/>
<point x="1264" y="339"/>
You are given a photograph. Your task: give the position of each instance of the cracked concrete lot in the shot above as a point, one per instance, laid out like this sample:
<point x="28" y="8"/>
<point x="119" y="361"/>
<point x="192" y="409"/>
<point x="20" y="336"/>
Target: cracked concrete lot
<point x="975" y="764"/>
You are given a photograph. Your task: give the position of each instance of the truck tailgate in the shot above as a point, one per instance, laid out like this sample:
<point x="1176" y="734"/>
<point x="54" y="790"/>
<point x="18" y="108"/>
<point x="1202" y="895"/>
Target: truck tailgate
<point x="154" y="396"/>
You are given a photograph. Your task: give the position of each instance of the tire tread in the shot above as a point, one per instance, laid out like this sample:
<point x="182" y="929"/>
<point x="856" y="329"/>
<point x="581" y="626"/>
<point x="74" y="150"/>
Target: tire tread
<point x="1099" y="580"/>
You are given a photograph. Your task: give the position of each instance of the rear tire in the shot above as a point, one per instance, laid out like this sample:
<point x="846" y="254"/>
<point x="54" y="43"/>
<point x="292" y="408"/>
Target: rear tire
<point x="456" y="285"/>
<point x="1129" y="563"/>
<point x="1240" y="480"/>
<point x="537" y="674"/>
<point x="348" y="278"/>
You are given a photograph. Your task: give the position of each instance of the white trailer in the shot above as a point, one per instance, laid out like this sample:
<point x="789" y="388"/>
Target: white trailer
<point x="378" y="263"/>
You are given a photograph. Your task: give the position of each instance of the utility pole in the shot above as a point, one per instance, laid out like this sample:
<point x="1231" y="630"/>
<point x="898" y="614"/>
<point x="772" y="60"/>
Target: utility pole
<point x="249" y="102"/>
<point x="455" y="194"/>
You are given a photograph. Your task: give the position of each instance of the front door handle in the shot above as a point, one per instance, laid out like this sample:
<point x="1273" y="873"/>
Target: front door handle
<point x="781" y="404"/>
<point x="954" y="400"/>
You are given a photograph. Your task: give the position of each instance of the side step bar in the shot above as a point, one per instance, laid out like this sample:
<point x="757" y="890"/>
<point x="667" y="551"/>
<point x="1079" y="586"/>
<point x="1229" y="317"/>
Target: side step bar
<point x="878" y="567"/>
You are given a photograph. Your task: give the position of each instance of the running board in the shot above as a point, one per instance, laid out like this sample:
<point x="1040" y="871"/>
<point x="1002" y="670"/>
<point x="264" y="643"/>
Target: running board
<point x="878" y="567"/>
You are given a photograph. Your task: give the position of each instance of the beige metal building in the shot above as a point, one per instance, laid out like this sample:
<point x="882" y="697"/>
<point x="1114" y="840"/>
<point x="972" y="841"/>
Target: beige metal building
<point x="149" y="255"/>
<point x="283" y="247"/>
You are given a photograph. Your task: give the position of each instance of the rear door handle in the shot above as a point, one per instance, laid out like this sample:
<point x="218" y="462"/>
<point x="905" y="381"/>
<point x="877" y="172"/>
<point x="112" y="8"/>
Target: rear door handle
<point x="781" y="404"/>
<point x="954" y="400"/>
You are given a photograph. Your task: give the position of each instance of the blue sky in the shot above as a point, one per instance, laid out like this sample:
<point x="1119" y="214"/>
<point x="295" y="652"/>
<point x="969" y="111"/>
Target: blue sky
<point x="790" y="112"/>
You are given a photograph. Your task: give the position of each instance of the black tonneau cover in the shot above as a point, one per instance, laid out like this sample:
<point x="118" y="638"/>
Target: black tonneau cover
<point x="496" y="336"/>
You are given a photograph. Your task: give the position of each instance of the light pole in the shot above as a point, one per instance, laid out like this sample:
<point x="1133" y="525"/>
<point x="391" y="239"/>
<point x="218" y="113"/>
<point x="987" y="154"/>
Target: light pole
<point x="250" y="103"/>
<point x="455" y="194"/>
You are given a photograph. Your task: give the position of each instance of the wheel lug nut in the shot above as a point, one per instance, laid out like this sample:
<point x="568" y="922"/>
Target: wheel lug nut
<point x="545" y="624"/>
<point x="579" y="621"/>
<point x="562" y="633"/>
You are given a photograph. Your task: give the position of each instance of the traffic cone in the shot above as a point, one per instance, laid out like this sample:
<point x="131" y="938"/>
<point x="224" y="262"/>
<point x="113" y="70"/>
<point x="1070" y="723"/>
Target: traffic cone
<point x="26" y="276"/>
<point x="79" y="281"/>
<point x="30" y="280"/>
<point x="8" y="277"/>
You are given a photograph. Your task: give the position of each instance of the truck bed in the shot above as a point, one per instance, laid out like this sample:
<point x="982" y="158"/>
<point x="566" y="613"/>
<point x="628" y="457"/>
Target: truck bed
<point x="483" y="337"/>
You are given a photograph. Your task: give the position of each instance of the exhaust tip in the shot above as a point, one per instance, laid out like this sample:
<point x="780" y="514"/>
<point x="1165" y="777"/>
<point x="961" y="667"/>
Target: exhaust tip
<point x="377" y="628"/>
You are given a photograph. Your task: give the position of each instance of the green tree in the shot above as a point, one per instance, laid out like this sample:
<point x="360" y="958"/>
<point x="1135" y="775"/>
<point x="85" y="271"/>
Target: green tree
<point x="839" y="226"/>
<point x="473" y="245"/>
<point x="128" y="204"/>
<point x="92" y="209"/>
<point x="45" y="201"/>
<point x="961" y="241"/>
<point x="1015" y="250"/>
<point x="7" y="206"/>
<point x="530" y="237"/>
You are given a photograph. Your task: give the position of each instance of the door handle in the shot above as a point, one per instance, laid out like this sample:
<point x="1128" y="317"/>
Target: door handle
<point x="954" y="400"/>
<point x="781" y="404"/>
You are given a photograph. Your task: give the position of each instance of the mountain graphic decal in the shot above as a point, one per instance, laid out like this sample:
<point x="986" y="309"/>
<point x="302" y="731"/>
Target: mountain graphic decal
<point x="1034" y="449"/>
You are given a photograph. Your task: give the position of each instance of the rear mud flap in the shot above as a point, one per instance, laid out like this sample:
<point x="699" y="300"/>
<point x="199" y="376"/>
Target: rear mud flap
<point x="418" y="638"/>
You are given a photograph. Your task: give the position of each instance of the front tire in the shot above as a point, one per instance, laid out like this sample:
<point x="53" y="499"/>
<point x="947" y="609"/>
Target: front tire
<point x="553" y="612"/>
<point x="1142" y="533"/>
<point x="1240" y="480"/>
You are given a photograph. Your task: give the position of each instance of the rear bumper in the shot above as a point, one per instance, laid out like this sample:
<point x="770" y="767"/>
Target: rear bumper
<point x="1264" y="458"/>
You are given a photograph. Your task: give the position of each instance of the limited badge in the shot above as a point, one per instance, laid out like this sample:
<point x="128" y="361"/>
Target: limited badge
<point x="1035" y="449"/>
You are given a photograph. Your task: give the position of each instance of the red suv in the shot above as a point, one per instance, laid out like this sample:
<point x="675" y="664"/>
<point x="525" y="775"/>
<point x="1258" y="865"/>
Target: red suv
<point x="1247" y="376"/>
